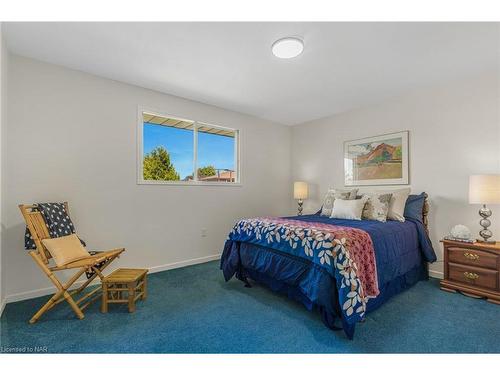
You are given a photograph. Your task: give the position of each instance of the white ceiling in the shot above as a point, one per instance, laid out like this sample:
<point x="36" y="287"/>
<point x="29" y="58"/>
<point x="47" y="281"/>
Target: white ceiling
<point x="230" y="65"/>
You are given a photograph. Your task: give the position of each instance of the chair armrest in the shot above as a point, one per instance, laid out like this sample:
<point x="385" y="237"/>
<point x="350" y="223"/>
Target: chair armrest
<point x="91" y="260"/>
<point x="110" y="254"/>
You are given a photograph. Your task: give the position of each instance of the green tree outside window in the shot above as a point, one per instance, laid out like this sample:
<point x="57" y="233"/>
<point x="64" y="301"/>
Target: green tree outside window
<point x="207" y="171"/>
<point x="157" y="166"/>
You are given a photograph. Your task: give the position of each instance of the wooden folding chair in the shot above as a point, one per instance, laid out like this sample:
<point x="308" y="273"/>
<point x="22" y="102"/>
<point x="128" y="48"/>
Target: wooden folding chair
<point x="39" y="231"/>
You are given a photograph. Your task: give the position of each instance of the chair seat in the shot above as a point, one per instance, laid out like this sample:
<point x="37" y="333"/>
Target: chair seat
<point x="90" y="260"/>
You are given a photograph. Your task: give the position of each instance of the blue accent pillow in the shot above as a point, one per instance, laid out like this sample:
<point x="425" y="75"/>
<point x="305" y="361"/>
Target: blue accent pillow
<point x="414" y="206"/>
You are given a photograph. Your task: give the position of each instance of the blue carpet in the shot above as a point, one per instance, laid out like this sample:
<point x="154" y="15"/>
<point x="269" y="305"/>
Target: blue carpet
<point x="192" y="310"/>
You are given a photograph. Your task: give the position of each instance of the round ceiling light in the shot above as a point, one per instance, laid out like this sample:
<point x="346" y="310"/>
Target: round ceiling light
<point x="287" y="48"/>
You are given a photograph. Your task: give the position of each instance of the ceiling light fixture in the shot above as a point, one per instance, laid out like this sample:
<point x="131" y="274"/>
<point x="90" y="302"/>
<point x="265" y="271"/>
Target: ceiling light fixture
<point x="287" y="48"/>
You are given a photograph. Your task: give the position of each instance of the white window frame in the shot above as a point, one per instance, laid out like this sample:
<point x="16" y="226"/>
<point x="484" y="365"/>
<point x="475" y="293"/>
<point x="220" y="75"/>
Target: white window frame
<point x="196" y="123"/>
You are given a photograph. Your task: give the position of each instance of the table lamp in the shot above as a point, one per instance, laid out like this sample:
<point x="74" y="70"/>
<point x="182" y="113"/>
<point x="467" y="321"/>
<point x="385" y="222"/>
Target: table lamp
<point x="300" y="192"/>
<point x="484" y="189"/>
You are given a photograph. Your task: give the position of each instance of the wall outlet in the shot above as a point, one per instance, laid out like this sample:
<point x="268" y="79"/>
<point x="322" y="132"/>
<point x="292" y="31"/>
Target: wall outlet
<point x="204" y="232"/>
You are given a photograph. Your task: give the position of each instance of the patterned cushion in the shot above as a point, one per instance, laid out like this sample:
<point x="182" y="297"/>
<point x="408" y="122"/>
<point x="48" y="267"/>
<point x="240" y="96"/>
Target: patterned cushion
<point x="377" y="206"/>
<point x="333" y="194"/>
<point x="57" y="220"/>
<point x="397" y="204"/>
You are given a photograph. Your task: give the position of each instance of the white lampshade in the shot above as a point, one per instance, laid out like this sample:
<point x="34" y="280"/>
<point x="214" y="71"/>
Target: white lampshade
<point x="300" y="190"/>
<point x="484" y="189"/>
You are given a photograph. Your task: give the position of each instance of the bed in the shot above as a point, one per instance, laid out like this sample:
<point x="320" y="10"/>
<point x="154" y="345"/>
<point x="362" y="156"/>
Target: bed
<point x="342" y="268"/>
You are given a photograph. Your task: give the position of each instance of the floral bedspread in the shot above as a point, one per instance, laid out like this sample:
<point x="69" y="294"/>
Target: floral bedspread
<point x="346" y="253"/>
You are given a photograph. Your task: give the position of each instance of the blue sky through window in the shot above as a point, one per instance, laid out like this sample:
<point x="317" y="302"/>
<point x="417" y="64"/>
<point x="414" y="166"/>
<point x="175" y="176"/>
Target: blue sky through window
<point x="213" y="149"/>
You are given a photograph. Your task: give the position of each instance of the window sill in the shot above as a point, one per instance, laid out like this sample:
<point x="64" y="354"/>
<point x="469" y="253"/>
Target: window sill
<point x="192" y="183"/>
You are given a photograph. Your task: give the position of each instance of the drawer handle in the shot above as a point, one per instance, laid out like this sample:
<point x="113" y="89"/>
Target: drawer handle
<point x="471" y="256"/>
<point x="471" y="275"/>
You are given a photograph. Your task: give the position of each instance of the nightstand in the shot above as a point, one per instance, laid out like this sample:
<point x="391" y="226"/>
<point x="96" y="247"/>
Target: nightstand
<point x="472" y="269"/>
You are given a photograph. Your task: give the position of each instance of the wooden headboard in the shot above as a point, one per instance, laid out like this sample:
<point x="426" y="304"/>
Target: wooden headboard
<point x="425" y="213"/>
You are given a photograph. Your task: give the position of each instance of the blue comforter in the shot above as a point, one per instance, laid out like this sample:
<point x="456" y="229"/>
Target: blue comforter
<point x="401" y="250"/>
<point x="397" y="245"/>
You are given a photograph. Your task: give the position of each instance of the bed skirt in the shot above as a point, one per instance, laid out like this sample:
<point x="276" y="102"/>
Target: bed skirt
<point x="304" y="281"/>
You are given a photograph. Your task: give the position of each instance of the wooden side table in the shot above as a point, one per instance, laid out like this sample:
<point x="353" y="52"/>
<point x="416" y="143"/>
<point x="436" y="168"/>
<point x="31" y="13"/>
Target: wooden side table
<point x="129" y="281"/>
<point x="472" y="269"/>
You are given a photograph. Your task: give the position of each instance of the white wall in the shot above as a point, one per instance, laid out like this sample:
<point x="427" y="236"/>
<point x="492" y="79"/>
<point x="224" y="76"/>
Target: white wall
<point x="72" y="136"/>
<point x="3" y="91"/>
<point x="454" y="132"/>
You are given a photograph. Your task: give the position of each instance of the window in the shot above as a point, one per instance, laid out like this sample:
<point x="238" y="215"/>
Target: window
<point x="173" y="149"/>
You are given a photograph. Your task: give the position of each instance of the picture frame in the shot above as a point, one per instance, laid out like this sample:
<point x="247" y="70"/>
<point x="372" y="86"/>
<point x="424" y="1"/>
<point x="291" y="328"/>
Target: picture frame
<point x="378" y="160"/>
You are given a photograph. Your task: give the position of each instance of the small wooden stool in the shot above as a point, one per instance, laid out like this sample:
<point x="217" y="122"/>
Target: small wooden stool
<point x="130" y="280"/>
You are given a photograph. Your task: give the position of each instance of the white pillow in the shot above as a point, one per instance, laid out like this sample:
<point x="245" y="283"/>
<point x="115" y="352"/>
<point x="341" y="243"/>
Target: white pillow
<point x="348" y="209"/>
<point x="332" y="194"/>
<point x="397" y="204"/>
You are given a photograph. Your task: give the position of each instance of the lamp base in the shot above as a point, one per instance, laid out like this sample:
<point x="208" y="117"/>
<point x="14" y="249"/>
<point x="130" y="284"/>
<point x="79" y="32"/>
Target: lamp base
<point x="300" y="203"/>
<point x="485" y="222"/>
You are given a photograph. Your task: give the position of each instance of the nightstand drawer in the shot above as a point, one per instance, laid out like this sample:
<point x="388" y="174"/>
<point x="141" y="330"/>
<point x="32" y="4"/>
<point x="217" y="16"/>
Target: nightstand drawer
<point x="479" y="277"/>
<point x="472" y="257"/>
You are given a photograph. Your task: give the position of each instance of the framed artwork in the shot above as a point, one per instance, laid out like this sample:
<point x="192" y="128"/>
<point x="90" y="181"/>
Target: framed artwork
<point x="380" y="160"/>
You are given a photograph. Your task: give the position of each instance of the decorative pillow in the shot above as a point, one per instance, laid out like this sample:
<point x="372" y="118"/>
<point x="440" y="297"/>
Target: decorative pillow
<point x="377" y="206"/>
<point x="332" y="194"/>
<point x="65" y="249"/>
<point x="415" y="206"/>
<point x="57" y="220"/>
<point x="397" y="204"/>
<point x="348" y="208"/>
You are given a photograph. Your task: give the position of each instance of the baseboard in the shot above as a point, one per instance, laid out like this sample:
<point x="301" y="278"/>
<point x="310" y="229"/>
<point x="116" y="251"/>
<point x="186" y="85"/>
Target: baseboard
<point x="436" y="274"/>
<point x="2" y="306"/>
<point x="50" y="290"/>
<point x="184" y="263"/>
<point x="37" y="293"/>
